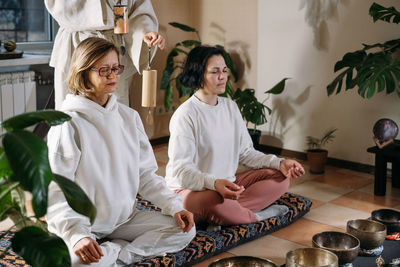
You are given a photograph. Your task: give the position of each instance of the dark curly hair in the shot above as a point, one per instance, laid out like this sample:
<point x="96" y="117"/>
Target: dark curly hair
<point x="192" y="75"/>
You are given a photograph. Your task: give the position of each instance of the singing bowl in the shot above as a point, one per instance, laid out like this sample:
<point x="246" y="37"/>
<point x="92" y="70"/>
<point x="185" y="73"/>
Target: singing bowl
<point x="243" y="261"/>
<point x="370" y="233"/>
<point x="390" y="218"/>
<point x="345" y="246"/>
<point x="311" y="257"/>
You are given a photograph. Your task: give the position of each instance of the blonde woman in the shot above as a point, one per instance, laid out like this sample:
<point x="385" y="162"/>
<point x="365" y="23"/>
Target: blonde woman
<point x="105" y="150"/>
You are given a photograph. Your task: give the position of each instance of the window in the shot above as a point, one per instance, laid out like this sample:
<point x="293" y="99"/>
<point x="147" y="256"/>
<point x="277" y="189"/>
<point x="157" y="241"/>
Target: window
<point x="25" y="21"/>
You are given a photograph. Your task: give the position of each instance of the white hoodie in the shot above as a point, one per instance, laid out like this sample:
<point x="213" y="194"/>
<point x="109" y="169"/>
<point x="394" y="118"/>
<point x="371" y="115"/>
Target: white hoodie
<point x="106" y="152"/>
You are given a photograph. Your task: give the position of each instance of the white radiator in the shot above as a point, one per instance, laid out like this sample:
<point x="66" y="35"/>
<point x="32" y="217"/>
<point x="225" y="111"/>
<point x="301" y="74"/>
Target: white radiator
<point x="17" y="93"/>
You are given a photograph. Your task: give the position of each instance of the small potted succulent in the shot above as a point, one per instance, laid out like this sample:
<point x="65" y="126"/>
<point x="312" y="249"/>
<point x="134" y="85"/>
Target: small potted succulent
<point x="316" y="154"/>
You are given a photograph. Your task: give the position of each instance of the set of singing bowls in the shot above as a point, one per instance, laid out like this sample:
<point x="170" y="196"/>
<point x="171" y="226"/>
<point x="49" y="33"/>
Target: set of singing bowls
<point x="243" y="261"/>
<point x="370" y="233"/>
<point x="311" y="257"/>
<point x="390" y="218"/>
<point x="344" y="245"/>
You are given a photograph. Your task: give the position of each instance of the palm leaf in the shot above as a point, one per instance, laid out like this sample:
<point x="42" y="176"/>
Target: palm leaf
<point x="278" y="88"/>
<point x="28" y="159"/>
<point x="40" y="249"/>
<point x="183" y="27"/>
<point x="388" y="14"/>
<point x="51" y="117"/>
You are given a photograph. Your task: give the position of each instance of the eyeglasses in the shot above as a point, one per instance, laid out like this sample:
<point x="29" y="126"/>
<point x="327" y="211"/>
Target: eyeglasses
<point x="105" y="71"/>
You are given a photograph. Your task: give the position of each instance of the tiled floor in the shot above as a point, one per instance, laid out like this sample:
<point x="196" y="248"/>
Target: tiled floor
<point x="338" y="195"/>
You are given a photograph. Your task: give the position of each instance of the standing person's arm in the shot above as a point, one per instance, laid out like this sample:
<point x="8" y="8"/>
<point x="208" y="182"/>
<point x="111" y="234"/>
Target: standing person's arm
<point x="142" y="20"/>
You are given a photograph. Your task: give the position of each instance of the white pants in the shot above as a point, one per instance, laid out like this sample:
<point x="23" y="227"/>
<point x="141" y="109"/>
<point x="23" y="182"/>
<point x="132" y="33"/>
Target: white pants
<point x="61" y="90"/>
<point x="146" y="235"/>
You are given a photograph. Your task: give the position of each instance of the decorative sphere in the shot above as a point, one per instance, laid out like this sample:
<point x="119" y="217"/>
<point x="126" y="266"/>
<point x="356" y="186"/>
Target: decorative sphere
<point x="385" y="129"/>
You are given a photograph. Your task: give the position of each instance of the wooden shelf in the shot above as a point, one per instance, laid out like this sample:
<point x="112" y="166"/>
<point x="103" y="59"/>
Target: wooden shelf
<point x="26" y="59"/>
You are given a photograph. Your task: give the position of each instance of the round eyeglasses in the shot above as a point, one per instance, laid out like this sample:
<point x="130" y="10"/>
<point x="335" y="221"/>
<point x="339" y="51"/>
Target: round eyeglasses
<point x="105" y="71"/>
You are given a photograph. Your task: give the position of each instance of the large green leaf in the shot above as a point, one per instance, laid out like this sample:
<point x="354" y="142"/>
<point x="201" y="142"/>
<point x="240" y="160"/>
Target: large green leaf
<point x="5" y="201"/>
<point x="183" y="27"/>
<point x="51" y="117"/>
<point x="5" y="169"/>
<point x="40" y="249"/>
<point x="76" y="197"/>
<point x="190" y="43"/>
<point x="251" y="109"/>
<point x="376" y="67"/>
<point x="168" y="97"/>
<point x="28" y="159"/>
<point x="278" y="88"/>
<point x="388" y="14"/>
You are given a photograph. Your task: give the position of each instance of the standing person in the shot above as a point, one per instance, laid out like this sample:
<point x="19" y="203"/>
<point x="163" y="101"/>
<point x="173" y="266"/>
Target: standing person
<point x="105" y="150"/>
<point x="80" y="19"/>
<point x="208" y="139"/>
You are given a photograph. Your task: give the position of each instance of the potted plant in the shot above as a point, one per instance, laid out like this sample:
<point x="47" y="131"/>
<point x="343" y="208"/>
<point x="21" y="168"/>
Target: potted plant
<point x="316" y="154"/>
<point x="24" y="166"/>
<point x="370" y="71"/>
<point x="254" y="111"/>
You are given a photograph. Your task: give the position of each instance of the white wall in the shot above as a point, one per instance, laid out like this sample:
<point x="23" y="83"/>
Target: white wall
<point x="285" y="49"/>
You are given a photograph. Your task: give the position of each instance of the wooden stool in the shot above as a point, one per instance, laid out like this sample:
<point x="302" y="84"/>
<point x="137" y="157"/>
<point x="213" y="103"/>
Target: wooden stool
<point x="389" y="153"/>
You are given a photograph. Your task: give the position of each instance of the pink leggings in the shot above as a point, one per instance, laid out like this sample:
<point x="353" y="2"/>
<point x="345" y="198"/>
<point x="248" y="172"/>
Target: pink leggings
<point x="262" y="188"/>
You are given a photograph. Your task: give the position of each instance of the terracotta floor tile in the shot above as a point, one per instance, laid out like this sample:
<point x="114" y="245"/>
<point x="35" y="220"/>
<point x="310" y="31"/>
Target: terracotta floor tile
<point x="365" y="202"/>
<point x="390" y="191"/>
<point x="335" y="215"/>
<point x="212" y="259"/>
<point x="161" y="170"/>
<point x="303" y="230"/>
<point x="350" y="172"/>
<point x="350" y="181"/>
<point x="267" y="247"/>
<point x="316" y="203"/>
<point x="161" y="156"/>
<point x="319" y="191"/>
<point x="306" y="177"/>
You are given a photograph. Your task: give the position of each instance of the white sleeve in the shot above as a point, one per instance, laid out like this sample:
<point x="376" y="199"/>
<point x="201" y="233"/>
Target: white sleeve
<point x="182" y="152"/>
<point x="249" y="156"/>
<point x="64" y="158"/>
<point x="142" y="19"/>
<point x="153" y="187"/>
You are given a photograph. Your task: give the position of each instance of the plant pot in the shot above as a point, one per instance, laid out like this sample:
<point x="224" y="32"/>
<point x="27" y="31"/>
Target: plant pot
<point x="255" y="136"/>
<point x="317" y="160"/>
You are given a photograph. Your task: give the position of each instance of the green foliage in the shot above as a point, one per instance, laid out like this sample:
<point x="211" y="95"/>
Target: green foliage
<point x="316" y="143"/>
<point x="251" y="109"/>
<point x="24" y="165"/>
<point x="370" y="70"/>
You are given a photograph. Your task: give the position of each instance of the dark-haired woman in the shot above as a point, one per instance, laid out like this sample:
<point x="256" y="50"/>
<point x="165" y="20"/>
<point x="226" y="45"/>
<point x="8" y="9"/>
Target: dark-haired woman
<point x="208" y="140"/>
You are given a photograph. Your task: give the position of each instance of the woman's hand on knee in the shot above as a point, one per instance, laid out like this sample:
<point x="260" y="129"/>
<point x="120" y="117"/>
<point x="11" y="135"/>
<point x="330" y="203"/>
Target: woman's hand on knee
<point x="227" y="189"/>
<point x="88" y="250"/>
<point x="291" y="168"/>
<point x="185" y="220"/>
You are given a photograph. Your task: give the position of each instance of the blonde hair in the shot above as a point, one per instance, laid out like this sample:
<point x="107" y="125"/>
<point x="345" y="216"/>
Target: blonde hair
<point x="86" y="54"/>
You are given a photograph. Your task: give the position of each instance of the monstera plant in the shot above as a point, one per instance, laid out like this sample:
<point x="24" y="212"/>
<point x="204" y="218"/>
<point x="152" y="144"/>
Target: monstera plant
<point x="24" y="166"/>
<point x="373" y="68"/>
<point x="174" y="66"/>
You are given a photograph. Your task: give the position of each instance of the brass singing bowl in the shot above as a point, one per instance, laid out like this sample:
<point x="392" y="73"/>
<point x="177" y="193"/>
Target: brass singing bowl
<point x="243" y="261"/>
<point x="390" y="218"/>
<point x="345" y="246"/>
<point x="311" y="257"/>
<point x="370" y="233"/>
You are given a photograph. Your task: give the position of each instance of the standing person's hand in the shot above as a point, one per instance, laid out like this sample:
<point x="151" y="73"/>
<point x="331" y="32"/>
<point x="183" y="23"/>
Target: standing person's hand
<point x="88" y="250"/>
<point x="291" y="168"/>
<point x="185" y="220"/>
<point x="153" y="39"/>
<point x="227" y="189"/>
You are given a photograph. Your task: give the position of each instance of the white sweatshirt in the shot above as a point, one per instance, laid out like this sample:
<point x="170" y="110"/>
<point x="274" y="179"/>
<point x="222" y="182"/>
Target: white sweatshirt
<point x="107" y="153"/>
<point x="207" y="143"/>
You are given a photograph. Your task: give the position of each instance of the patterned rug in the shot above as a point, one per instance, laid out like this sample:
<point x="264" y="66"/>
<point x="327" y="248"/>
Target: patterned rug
<point x="205" y="244"/>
